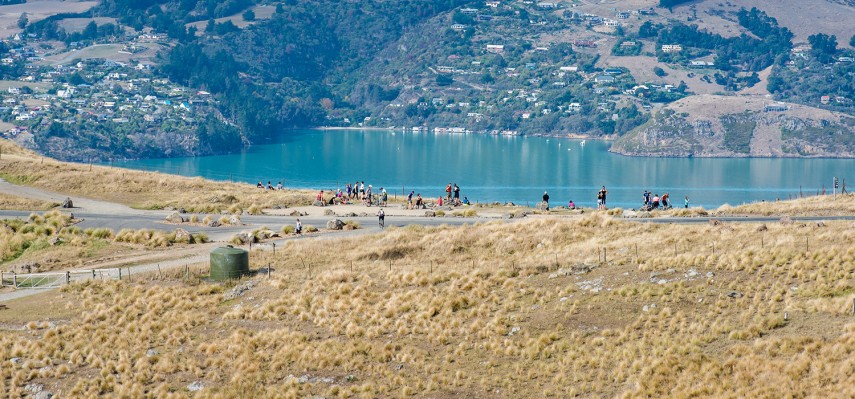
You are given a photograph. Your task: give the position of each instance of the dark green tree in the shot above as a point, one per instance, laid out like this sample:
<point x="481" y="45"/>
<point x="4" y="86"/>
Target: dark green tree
<point x="23" y="20"/>
<point x="823" y="46"/>
<point x="249" y="15"/>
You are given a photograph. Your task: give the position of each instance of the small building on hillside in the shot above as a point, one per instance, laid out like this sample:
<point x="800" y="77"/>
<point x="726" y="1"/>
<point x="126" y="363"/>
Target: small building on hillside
<point x="672" y="48"/>
<point x="496" y="48"/>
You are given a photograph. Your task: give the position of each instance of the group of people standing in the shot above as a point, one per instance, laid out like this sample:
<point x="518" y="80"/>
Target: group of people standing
<point x="357" y="191"/>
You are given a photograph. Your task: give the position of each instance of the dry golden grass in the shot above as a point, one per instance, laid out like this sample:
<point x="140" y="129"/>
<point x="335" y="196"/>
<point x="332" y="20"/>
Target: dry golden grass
<point x="51" y="241"/>
<point x="824" y="205"/>
<point x="13" y="202"/>
<point x="145" y="190"/>
<point x="522" y="310"/>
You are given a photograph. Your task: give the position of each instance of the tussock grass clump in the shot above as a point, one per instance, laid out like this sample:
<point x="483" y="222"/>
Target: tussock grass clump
<point x="158" y="239"/>
<point x="51" y="239"/>
<point x="351" y="225"/>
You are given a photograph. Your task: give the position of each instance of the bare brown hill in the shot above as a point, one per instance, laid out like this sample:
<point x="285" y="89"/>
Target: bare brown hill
<point x="736" y="126"/>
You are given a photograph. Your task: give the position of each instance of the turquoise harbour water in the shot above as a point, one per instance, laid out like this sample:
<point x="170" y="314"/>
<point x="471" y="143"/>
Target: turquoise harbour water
<point x="498" y="168"/>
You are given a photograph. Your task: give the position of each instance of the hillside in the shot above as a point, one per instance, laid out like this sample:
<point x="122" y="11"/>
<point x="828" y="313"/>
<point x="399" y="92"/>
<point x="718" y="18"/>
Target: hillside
<point x="171" y="78"/>
<point x="522" y="310"/>
<point x="719" y="126"/>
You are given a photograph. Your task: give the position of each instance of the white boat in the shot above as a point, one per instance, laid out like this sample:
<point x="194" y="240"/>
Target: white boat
<point x="582" y="143"/>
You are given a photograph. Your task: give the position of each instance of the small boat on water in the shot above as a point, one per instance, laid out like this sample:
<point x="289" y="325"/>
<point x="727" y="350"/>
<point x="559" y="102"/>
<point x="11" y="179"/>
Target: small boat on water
<point x="582" y="143"/>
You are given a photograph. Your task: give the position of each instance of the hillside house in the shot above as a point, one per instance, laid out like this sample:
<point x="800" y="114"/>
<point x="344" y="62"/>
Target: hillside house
<point x="672" y="48"/>
<point x="458" y="27"/>
<point x="604" y="79"/>
<point x="700" y="64"/>
<point x="825" y="99"/>
<point x="629" y="43"/>
<point x="611" y="22"/>
<point x="492" y="4"/>
<point x="776" y="107"/>
<point x="469" y="11"/>
<point x="569" y="69"/>
<point x="584" y="43"/>
<point x="547" y="5"/>
<point x="623" y="15"/>
<point x="496" y="48"/>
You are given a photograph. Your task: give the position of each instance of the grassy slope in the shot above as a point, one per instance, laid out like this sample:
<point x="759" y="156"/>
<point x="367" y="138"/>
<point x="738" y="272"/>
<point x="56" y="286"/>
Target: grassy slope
<point x="476" y="311"/>
<point x="14" y="202"/>
<point x="135" y="188"/>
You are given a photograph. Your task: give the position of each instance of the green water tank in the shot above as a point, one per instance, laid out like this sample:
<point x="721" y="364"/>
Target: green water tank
<point x="228" y="263"/>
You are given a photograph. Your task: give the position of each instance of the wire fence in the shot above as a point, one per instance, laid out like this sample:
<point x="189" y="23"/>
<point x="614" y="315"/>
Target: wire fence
<point x="58" y="279"/>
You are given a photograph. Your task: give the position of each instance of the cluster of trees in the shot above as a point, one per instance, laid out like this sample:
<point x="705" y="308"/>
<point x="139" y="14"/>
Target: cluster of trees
<point x="289" y="71"/>
<point x="809" y="79"/>
<point x="671" y="3"/>
<point x="823" y="46"/>
<point x="49" y="29"/>
<point x="743" y="53"/>
<point x="621" y="49"/>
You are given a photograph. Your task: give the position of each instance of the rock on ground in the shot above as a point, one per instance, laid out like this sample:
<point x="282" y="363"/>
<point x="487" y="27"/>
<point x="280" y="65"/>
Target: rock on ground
<point x="182" y="235"/>
<point x="175" y="217"/>
<point x="335" y="224"/>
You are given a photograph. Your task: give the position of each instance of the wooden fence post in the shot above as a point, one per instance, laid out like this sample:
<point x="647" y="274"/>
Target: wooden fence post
<point x="67" y="277"/>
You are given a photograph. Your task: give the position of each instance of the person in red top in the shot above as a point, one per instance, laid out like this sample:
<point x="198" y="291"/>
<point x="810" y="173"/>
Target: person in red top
<point x="448" y="192"/>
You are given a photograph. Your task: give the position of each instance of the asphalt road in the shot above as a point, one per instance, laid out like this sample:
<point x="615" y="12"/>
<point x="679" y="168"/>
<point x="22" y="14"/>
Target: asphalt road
<point x="156" y="220"/>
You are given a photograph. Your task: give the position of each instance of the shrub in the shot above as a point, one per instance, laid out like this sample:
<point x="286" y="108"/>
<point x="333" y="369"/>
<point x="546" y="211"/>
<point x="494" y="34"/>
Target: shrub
<point x="288" y="229"/>
<point x="353" y="224"/>
<point x="99" y="233"/>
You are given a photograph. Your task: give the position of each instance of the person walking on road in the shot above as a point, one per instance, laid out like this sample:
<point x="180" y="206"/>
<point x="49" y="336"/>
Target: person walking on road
<point x="546" y="199"/>
<point x="686" y="205"/>
<point x="381" y="216"/>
